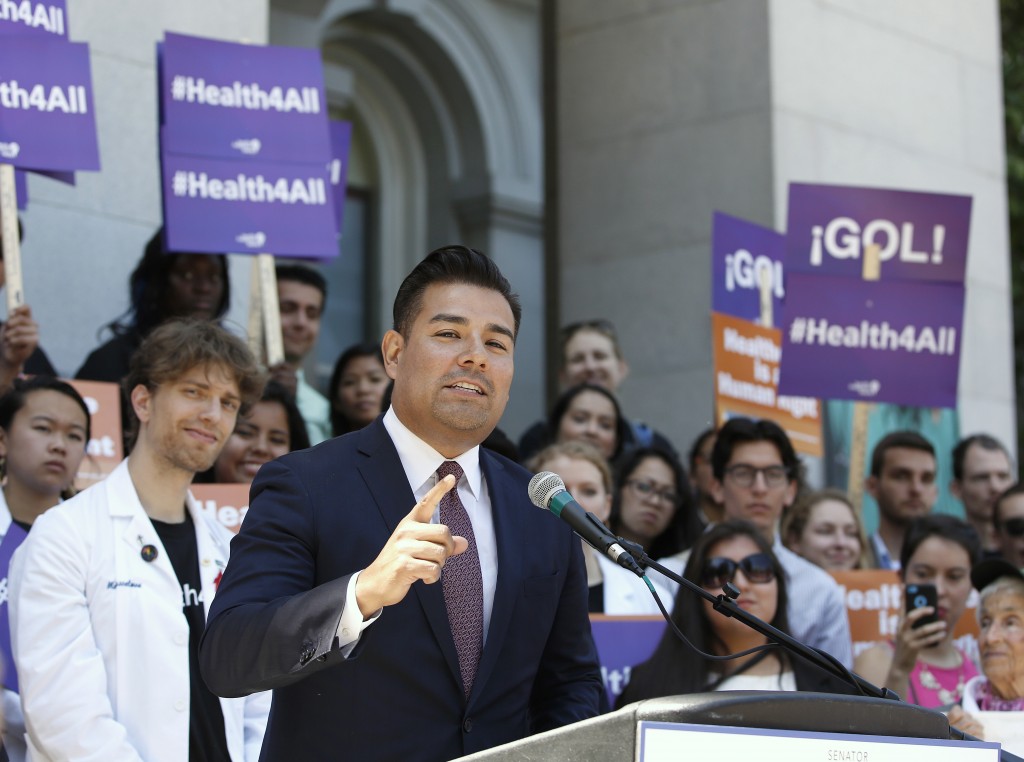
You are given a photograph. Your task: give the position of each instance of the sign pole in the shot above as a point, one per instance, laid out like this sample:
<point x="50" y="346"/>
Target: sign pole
<point x="872" y="270"/>
<point x="9" y="232"/>
<point x="271" y="310"/>
<point x="255" y="324"/>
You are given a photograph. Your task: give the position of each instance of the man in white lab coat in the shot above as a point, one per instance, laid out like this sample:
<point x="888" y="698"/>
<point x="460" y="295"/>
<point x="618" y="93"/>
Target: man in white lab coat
<point x="110" y="591"/>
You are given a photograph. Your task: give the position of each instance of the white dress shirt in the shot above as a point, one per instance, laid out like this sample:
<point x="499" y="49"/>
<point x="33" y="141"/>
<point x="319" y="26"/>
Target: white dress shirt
<point x="420" y="462"/>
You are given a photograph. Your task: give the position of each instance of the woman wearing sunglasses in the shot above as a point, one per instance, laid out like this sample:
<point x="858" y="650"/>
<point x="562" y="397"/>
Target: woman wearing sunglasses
<point x="653" y="503"/>
<point x="733" y="551"/>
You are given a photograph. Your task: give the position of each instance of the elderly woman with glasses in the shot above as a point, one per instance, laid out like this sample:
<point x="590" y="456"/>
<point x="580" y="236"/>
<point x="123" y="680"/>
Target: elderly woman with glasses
<point x="993" y="702"/>
<point x="736" y="552"/>
<point x="653" y="504"/>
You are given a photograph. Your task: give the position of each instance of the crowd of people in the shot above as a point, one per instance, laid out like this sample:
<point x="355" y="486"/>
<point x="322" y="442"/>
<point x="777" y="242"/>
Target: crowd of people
<point x="325" y="568"/>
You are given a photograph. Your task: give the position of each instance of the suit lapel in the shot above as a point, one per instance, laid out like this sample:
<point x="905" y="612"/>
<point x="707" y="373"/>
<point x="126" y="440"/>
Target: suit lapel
<point x="508" y="531"/>
<point x="382" y="471"/>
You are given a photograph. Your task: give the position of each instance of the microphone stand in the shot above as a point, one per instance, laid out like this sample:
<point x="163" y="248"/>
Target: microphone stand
<point x="725" y="604"/>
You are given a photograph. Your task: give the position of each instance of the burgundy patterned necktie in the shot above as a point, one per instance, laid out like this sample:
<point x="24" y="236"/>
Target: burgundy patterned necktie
<point x="462" y="581"/>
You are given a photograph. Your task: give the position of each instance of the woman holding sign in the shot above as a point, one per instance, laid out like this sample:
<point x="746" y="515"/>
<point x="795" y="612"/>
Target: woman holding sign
<point x="923" y="665"/>
<point x="44" y="431"/>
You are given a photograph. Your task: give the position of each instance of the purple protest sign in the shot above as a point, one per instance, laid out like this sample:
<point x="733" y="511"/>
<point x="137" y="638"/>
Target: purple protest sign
<point x="226" y="100"/>
<point x="341" y="139"/>
<point x="873" y="341"/>
<point x="11" y="542"/>
<point x="922" y="236"/>
<point x="230" y="206"/>
<point x="740" y="252"/>
<point x="622" y="643"/>
<point x="34" y="17"/>
<point x="21" y="189"/>
<point x="46" y="107"/>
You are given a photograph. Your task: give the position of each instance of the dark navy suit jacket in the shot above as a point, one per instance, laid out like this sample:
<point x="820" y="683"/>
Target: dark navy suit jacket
<point x="318" y="516"/>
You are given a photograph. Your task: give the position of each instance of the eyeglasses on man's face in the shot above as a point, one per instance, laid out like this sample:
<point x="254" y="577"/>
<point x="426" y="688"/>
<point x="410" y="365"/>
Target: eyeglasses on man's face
<point x="744" y="475"/>
<point x="644" y="489"/>
<point x="757" y="568"/>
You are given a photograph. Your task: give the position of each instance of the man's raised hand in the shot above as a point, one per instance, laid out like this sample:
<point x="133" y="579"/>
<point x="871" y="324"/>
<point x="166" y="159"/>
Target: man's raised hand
<point x="416" y="550"/>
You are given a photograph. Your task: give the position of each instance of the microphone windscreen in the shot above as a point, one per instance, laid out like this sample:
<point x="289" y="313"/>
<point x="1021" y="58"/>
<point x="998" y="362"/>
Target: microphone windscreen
<point x="543" y="487"/>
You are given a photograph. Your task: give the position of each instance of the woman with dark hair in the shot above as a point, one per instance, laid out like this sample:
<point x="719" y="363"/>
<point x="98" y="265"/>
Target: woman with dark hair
<point x="652" y="504"/>
<point x="736" y="552"/>
<point x="162" y="286"/>
<point x="589" y="413"/>
<point x="44" y="432"/>
<point x="272" y="428"/>
<point x="357" y="388"/>
<point x="923" y="664"/>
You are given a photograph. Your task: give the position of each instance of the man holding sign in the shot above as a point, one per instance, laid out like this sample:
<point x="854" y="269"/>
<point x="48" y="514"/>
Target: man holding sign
<point x="330" y="598"/>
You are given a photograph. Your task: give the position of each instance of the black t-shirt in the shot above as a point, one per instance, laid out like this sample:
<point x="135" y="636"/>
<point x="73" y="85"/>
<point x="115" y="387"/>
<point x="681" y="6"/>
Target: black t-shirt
<point x="206" y="740"/>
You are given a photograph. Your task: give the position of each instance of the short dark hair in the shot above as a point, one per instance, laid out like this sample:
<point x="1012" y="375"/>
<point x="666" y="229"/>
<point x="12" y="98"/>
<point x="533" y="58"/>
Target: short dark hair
<point x="302" y="274"/>
<point x="451" y="264"/>
<point x="14" y="399"/>
<point x="685" y="527"/>
<point x="339" y="423"/>
<point x="1011" y="491"/>
<point x="148" y="284"/>
<point x="698" y="444"/>
<point x="944" y="526"/>
<point x="984" y="441"/>
<point x="908" y="440"/>
<point x="737" y="431"/>
<point x="564" y="401"/>
<point x="179" y="345"/>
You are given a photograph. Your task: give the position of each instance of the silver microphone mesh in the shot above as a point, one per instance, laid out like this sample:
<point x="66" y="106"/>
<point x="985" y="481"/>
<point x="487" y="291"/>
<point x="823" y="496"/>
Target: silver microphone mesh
<point x="543" y="487"/>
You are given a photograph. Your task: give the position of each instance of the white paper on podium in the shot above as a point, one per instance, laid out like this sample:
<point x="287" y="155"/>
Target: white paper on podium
<point x="671" y="742"/>
<point x="1005" y="727"/>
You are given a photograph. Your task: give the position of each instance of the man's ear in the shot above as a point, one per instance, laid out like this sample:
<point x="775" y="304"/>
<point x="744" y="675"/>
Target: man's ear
<point x="623" y="370"/>
<point x="391" y="349"/>
<point x="955" y="490"/>
<point x="142" y="402"/>
<point x="871" y="486"/>
<point x="3" y="443"/>
<point x="791" y="490"/>
<point x="717" y="491"/>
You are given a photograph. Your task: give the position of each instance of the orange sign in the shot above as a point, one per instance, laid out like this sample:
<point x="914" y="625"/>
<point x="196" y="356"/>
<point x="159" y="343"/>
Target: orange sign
<point x="746" y="364"/>
<point x="874" y="600"/>
<point x="104" y="450"/>
<point x="227" y="503"/>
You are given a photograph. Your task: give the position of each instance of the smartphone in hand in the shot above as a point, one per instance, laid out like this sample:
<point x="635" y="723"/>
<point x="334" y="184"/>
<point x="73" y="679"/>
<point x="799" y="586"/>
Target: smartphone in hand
<point x="917" y="596"/>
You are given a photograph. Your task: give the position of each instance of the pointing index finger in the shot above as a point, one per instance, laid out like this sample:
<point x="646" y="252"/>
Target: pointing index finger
<point x="423" y="511"/>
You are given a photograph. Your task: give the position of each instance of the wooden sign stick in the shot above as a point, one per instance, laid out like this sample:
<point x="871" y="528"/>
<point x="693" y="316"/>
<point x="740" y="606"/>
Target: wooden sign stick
<point x="9" y="233"/>
<point x="872" y="269"/>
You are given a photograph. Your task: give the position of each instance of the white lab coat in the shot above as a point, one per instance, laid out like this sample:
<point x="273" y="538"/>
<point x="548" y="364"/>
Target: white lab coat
<point x="99" y="637"/>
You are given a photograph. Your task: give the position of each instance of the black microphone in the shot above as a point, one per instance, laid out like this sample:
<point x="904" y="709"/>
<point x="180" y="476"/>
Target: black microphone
<point x="547" y="491"/>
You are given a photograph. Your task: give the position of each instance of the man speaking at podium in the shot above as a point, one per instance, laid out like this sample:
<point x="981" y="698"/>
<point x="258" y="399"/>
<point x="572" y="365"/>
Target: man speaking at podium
<point x="397" y="616"/>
